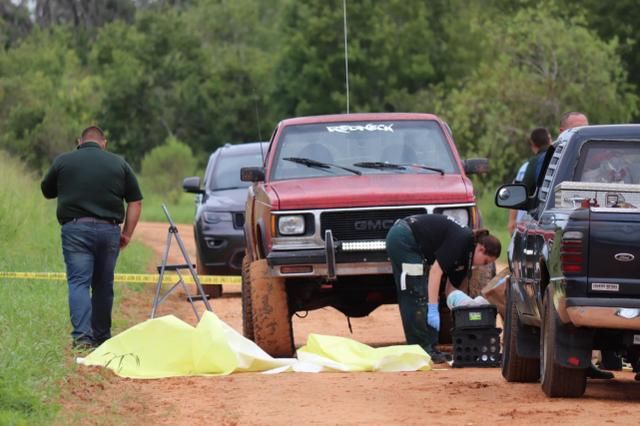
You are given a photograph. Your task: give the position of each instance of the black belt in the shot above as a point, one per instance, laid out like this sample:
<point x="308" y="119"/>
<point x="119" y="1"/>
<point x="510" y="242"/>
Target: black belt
<point x="89" y="219"/>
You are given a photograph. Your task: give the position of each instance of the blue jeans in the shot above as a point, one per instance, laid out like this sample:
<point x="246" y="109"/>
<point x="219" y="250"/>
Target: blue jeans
<point x="90" y="251"/>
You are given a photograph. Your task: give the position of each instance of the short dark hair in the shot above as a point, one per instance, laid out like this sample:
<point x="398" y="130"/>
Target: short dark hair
<point x="92" y="131"/>
<point x="540" y="137"/>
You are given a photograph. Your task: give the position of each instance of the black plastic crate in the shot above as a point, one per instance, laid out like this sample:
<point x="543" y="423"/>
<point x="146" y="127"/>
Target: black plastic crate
<point x="482" y="316"/>
<point x="476" y="347"/>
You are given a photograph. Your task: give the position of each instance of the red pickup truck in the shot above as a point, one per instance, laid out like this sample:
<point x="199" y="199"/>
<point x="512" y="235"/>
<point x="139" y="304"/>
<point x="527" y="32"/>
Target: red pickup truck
<point x="319" y="209"/>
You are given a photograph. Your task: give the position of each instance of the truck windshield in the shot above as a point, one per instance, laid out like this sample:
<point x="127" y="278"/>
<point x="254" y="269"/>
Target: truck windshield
<point x="363" y="142"/>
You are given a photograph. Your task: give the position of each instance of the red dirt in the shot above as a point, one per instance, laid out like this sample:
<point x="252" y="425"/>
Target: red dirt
<point x="468" y="396"/>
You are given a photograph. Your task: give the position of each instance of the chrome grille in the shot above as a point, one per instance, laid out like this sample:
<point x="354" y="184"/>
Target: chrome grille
<point x="358" y="225"/>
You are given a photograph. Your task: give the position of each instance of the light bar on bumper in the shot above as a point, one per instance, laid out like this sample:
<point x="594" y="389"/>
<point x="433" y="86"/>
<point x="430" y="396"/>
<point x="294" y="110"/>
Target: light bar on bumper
<point x="368" y="245"/>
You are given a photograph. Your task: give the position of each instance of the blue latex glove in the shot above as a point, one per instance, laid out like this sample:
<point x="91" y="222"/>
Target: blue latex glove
<point x="433" y="316"/>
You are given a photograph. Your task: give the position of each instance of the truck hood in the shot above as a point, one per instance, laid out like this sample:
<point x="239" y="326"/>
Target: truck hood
<point x="227" y="200"/>
<point x="371" y="190"/>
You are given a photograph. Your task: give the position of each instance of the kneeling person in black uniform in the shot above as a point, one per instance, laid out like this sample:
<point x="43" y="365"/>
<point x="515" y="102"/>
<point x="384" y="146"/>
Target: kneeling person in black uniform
<point x="423" y="248"/>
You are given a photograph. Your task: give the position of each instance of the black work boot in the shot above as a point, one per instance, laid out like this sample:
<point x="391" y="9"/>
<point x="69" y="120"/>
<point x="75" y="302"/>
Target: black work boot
<point x="594" y="372"/>
<point x="437" y="356"/>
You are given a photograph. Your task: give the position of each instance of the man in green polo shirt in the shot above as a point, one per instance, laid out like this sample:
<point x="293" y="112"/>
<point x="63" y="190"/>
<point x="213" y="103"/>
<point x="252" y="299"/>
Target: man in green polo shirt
<point x="91" y="185"/>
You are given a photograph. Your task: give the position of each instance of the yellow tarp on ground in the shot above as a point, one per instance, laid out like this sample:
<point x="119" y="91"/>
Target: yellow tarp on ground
<point x="168" y="347"/>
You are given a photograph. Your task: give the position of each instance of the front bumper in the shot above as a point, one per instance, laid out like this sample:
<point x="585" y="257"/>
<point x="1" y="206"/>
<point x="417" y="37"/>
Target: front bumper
<point x="589" y="312"/>
<point x="220" y="250"/>
<point x="322" y="262"/>
<point x="319" y="266"/>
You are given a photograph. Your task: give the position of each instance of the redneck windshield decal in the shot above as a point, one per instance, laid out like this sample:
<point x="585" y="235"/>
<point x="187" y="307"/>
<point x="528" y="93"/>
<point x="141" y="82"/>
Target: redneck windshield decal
<point x="367" y="127"/>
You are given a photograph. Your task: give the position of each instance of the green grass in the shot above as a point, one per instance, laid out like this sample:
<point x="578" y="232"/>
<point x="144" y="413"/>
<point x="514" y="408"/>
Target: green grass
<point x="495" y="220"/>
<point x="34" y="316"/>
<point x="181" y="210"/>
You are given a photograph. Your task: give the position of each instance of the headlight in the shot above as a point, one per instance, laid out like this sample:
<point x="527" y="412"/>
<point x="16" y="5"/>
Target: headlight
<point x="459" y="215"/>
<point x="216" y="217"/>
<point x="291" y="225"/>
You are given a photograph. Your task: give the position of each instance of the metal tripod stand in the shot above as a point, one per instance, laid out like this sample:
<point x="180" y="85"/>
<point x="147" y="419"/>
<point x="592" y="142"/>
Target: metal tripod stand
<point x="159" y="298"/>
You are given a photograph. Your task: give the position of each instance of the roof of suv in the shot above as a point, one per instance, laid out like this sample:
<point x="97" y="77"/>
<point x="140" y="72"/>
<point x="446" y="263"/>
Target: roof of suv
<point x="242" y="148"/>
<point x="374" y="116"/>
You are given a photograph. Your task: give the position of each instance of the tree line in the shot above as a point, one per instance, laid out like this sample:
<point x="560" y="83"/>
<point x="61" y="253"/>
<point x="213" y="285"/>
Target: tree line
<point x="208" y="72"/>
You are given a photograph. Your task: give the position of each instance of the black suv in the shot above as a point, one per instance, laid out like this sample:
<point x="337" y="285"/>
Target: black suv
<point x="219" y="219"/>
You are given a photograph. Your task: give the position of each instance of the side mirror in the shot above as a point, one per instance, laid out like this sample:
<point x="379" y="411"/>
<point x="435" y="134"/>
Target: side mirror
<point x="192" y="184"/>
<point x="476" y="166"/>
<point x="252" y="174"/>
<point x="512" y="196"/>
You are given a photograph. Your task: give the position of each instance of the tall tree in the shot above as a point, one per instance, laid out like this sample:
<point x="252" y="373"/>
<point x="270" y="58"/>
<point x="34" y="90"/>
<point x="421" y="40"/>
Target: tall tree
<point x="46" y="97"/>
<point x="390" y="52"/>
<point x="142" y="69"/>
<point x="615" y="20"/>
<point x="14" y="22"/>
<point x="82" y="13"/>
<point x="536" y="66"/>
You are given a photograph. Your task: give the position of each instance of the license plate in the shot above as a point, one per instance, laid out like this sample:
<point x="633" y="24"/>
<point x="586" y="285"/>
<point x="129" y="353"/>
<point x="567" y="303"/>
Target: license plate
<point x="605" y="287"/>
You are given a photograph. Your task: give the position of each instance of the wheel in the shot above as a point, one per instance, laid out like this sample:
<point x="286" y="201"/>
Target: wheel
<point x="271" y="320"/>
<point x="556" y="379"/>
<point x="516" y="368"/>
<point x="212" y="290"/>
<point x="247" y="314"/>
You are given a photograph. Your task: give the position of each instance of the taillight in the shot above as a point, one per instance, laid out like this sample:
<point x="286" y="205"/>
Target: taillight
<point x="572" y="252"/>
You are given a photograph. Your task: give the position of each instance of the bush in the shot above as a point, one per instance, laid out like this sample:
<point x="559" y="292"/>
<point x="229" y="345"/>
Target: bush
<point x="164" y="167"/>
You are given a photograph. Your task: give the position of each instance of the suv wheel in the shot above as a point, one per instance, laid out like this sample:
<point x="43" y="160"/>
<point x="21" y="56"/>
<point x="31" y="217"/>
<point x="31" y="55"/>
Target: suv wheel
<point x="271" y="320"/>
<point x="556" y="379"/>
<point x="516" y="368"/>
<point x="212" y="290"/>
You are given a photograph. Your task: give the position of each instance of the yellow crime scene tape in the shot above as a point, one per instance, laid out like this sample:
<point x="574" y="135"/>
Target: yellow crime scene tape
<point x="130" y="278"/>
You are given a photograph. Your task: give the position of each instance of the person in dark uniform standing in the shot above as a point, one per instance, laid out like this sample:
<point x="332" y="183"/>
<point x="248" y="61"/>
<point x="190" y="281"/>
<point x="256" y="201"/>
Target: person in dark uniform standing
<point x="91" y="185"/>
<point x="423" y="249"/>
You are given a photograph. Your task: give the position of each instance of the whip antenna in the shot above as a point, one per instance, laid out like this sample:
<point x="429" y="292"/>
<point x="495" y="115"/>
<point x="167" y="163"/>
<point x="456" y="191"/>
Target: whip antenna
<point x="255" y="100"/>
<point x="346" y="51"/>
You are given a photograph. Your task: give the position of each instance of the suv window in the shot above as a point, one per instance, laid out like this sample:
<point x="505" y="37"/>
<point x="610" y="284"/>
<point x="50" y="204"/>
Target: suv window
<point x="402" y="142"/>
<point x="226" y="170"/>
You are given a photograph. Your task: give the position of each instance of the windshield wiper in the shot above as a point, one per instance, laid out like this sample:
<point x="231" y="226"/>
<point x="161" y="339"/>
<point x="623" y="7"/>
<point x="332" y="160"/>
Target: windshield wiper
<point x="320" y="165"/>
<point x="422" y="166"/>
<point x="379" y="165"/>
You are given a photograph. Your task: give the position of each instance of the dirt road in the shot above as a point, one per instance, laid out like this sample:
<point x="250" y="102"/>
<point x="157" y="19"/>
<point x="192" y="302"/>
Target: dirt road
<point x="469" y="396"/>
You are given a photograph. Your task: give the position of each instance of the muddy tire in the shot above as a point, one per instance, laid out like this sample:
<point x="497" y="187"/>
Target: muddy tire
<point x="557" y="381"/>
<point x="247" y="313"/>
<point x="212" y="290"/>
<point x="516" y="368"/>
<point x="271" y="320"/>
